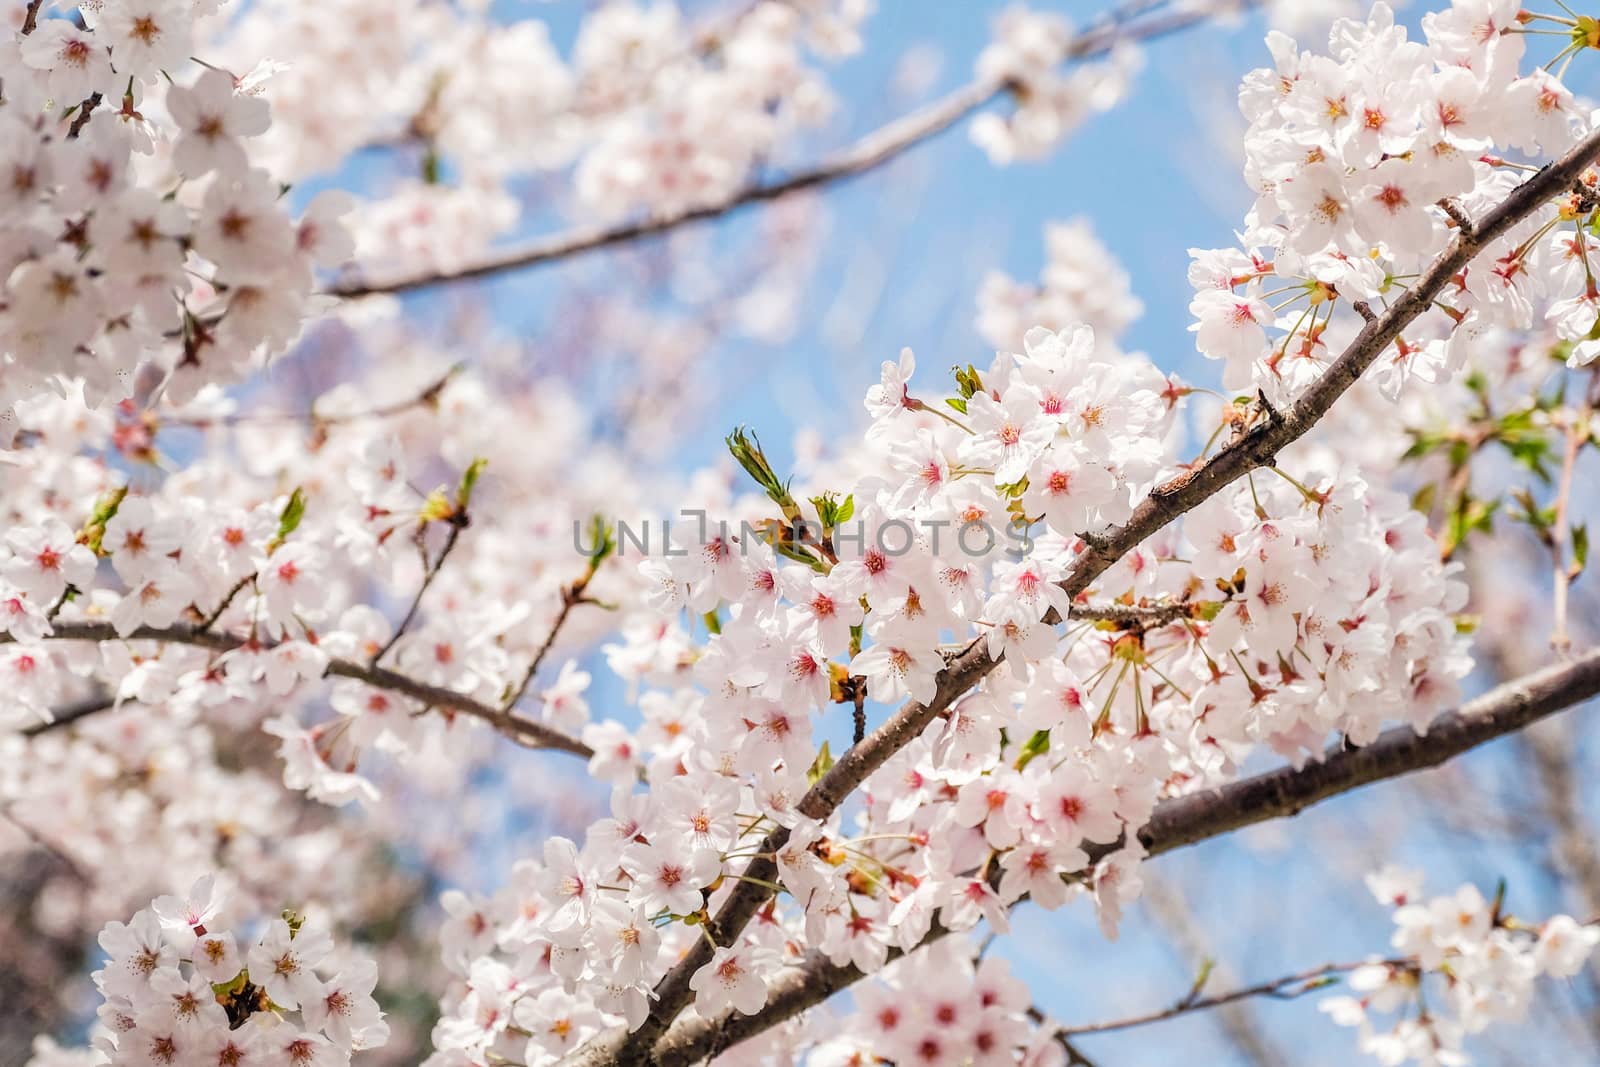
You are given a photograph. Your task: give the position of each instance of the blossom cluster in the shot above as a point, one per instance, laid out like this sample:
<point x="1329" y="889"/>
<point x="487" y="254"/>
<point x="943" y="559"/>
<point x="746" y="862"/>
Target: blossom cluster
<point x="939" y="1006"/>
<point x="1081" y="283"/>
<point x="232" y="604"/>
<point x="179" y="989"/>
<point x="137" y="231"/>
<point x="1028" y="51"/>
<point x="1334" y="614"/>
<point x="1465" y="965"/>
<point x="1364" y="161"/>
<point x="651" y="109"/>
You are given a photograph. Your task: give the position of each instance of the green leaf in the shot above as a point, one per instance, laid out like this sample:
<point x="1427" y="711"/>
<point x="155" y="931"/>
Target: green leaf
<point x="1580" y="550"/>
<point x="1422" y="444"/>
<point x="1015" y="489"/>
<point x="603" y="539"/>
<point x="469" y="479"/>
<point x="957" y="403"/>
<point x="1207" y="965"/>
<point x="831" y="511"/>
<point x="821" y="765"/>
<point x="105" y="509"/>
<point x="1037" y="745"/>
<point x="968" y="381"/>
<point x="1423" y="499"/>
<point x="745" y="448"/>
<point x="294" y="509"/>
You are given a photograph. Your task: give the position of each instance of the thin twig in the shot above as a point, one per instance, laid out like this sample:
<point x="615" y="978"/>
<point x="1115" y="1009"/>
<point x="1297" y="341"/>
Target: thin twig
<point x="571" y="597"/>
<point x="1289" y="987"/>
<point x="1166" y="904"/>
<point x="881" y="146"/>
<point x="427" y="396"/>
<point x="1075" y="1056"/>
<point x="211" y="620"/>
<point x="30" y="18"/>
<point x="43" y="842"/>
<point x="457" y="524"/>
<point x="68" y="714"/>
<point x="81" y="119"/>
<point x="524" y="732"/>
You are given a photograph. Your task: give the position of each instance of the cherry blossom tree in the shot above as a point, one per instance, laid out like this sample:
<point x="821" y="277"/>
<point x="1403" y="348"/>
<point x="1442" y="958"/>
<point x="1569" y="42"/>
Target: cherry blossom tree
<point x="302" y="555"/>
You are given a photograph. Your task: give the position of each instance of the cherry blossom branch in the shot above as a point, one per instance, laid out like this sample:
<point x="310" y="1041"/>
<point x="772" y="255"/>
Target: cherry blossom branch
<point x="30" y="18"/>
<point x="458" y="522"/>
<point x="1075" y="1056"/>
<point x="571" y="596"/>
<point x="1202" y="816"/>
<point x="1166" y="904"/>
<point x="1256" y="448"/>
<point x="523" y="731"/>
<point x="71" y="713"/>
<point x="428" y="395"/>
<point x="81" y="118"/>
<point x="40" y="841"/>
<point x="872" y="151"/>
<point x="1145" y="615"/>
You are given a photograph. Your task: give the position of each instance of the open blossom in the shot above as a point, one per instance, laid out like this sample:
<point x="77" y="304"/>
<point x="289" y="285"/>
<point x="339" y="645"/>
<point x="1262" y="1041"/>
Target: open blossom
<point x="147" y="37"/>
<point x="284" y="961"/>
<point x="731" y="979"/>
<point x="46" y="559"/>
<point x="206" y="1010"/>
<point x="214" y="119"/>
<point x="75" y="59"/>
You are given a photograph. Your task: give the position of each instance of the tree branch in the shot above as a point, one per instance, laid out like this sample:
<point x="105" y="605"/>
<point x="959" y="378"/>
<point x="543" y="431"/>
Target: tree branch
<point x="430" y="571"/>
<point x="1165" y="903"/>
<point x="1202" y="816"/>
<point x="867" y="154"/>
<point x="524" y="732"/>
<point x="1258" y="447"/>
<point x="426" y="397"/>
<point x="71" y="713"/>
<point x="1129" y="616"/>
<point x="1289" y="987"/>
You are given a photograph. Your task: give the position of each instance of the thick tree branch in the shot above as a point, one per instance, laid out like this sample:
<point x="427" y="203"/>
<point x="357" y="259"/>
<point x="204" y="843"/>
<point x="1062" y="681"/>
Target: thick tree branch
<point x="524" y="732"/>
<point x="884" y="144"/>
<point x="1199" y="817"/>
<point x="1258" y="447"/>
<point x="1145" y="616"/>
